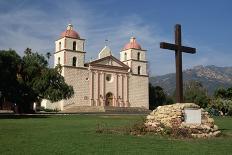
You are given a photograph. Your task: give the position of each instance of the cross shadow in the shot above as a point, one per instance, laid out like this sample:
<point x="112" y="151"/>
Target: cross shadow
<point x="223" y="129"/>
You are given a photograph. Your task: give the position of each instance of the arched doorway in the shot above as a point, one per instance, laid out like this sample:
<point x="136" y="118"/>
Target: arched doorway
<point x="109" y="99"/>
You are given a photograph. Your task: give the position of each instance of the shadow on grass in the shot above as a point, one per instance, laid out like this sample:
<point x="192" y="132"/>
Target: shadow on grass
<point x="22" y="116"/>
<point x="224" y="129"/>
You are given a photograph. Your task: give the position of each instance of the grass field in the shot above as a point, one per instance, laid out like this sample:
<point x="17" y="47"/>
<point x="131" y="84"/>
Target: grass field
<point x="76" y="134"/>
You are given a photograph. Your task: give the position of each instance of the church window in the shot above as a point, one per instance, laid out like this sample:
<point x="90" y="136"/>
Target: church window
<point x="74" y="45"/>
<point x="109" y="78"/>
<point x="59" y="46"/>
<point x="138" y="56"/>
<point x="58" y="60"/>
<point x="74" y="62"/>
<point x="125" y="56"/>
<point x="139" y="70"/>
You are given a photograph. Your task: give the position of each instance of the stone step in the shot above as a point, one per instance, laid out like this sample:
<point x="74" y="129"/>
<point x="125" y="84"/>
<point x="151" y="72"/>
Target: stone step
<point x="6" y="111"/>
<point x="127" y="109"/>
<point x="76" y="109"/>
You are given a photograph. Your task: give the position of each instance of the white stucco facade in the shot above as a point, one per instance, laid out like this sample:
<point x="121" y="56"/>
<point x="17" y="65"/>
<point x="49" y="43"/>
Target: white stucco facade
<point x="105" y="81"/>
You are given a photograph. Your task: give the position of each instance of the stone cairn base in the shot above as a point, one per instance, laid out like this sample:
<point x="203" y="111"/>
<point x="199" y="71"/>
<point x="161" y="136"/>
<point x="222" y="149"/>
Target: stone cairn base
<point x="172" y="117"/>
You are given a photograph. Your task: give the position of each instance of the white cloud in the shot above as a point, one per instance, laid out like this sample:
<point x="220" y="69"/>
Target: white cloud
<point x="38" y="29"/>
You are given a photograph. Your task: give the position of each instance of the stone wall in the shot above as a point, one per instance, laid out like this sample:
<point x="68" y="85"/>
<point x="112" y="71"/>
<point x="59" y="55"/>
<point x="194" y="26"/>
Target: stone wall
<point x="49" y="105"/>
<point x="138" y="91"/>
<point x="79" y="79"/>
<point x="172" y="116"/>
<point x="143" y="67"/>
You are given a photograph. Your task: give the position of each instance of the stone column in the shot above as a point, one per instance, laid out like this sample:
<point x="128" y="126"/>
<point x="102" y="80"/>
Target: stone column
<point x="127" y="91"/>
<point x="91" y="88"/>
<point x="103" y="88"/>
<point x="116" y="90"/>
<point x="119" y="97"/>
<point x="123" y="91"/>
<point x="98" y="88"/>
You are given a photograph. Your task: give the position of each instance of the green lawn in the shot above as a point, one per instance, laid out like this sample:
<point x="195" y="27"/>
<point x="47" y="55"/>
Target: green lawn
<point x="76" y="134"/>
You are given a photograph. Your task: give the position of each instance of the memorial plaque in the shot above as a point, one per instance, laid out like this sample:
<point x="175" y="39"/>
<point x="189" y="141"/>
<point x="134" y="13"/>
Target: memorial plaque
<point x="192" y="116"/>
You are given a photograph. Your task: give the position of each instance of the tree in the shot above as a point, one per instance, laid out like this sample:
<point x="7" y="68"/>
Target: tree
<point x="157" y="96"/>
<point x="229" y="93"/>
<point x="220" y="93"/>
<point x="50" y="85"/>
<point x="27" y="51"/>
<point x="196" y="93"/>
<point x="151" y="97"/>
<point x="223" y="93"/>
<point x="31" y="80"/>
<point x="48" y="55"/>
<point x="222" y="101"/>
<point x="10" y="63"/>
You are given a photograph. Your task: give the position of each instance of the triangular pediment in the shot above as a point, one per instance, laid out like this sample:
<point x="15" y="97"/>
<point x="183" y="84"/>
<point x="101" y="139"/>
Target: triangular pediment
<point x="109" y="61"/>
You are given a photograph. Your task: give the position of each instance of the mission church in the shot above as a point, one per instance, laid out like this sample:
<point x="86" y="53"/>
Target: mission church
<point x="104" y="82"/>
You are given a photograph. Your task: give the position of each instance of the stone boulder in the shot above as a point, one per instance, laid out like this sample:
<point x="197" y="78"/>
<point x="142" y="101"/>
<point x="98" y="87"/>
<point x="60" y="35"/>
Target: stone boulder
<point x="172" y="117"/>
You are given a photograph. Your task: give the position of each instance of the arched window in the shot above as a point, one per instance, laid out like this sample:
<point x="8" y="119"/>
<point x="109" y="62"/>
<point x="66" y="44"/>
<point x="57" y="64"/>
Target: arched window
<point x="58" y="60"/>
<point x="138" y="56"/>
<point x="139" y="70"/>
<point x="74" y="62"/>
<point x="125" y="56"/>
<point x="59" y="46"/>
<point x="74" y="45"/>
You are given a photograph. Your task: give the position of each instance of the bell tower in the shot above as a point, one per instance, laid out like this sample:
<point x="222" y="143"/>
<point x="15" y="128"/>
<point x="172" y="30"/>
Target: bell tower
<point x="69" y="49"/>
<point x="135" y="57"/>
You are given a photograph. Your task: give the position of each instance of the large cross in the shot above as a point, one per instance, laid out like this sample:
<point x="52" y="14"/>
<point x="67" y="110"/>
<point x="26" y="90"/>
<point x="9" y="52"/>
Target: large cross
<point x="178" y="48"/>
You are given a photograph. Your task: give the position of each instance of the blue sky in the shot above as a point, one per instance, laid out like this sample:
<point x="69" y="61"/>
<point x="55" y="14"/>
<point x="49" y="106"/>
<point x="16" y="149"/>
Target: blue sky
<point x="206" y="25"/>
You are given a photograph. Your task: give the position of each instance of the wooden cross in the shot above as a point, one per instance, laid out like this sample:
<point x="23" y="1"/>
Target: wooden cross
<point x="178" y="48"/>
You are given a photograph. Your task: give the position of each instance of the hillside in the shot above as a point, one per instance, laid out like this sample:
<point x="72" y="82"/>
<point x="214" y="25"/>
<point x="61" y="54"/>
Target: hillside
<point x="212" y="77"/>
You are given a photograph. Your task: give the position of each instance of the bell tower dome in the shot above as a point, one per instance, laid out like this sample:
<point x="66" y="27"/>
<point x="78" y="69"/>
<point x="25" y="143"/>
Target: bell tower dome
<point x="69" y="49"/>
<point x="135" y="57"/>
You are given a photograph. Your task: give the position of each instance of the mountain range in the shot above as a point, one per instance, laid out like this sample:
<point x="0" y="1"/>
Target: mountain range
<point x="211" y="77"/>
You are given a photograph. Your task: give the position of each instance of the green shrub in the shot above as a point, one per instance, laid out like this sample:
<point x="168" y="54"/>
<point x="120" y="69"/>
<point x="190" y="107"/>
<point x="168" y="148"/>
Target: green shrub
<point x="213" y="111"/>
<point x="223" y="105"/>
